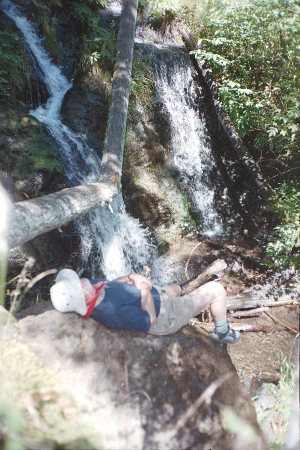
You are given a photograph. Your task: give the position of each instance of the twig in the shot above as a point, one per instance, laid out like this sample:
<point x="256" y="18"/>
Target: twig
<point x="287" y="171"/>
<point x="188" y="261"/>
<point x="34" y="281"/>
<point x="205" y="397"/>
<point x="280" y="322"/>
<point x="21" y="281"/>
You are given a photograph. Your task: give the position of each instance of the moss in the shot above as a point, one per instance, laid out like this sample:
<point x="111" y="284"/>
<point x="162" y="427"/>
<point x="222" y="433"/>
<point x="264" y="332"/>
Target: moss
<point x="26" y="147"/>
<point x="38" y="153"/>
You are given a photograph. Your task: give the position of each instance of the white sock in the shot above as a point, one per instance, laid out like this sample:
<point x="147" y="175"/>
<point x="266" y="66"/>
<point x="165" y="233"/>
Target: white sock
<point x="222" y="326"/>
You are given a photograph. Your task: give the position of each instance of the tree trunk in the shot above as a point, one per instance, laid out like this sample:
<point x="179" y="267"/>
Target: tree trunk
<point x="37" y="216"/>
<point x="112" y="158"/>
<point x="236" y="142"/>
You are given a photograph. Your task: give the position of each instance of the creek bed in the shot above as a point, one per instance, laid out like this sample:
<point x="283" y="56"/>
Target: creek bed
<point x="263" y="362"/>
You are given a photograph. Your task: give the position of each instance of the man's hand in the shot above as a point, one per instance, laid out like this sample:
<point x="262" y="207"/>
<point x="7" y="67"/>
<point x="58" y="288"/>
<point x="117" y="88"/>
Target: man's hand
<point x="138" y="280"/>
<point x="147" y="302"/>
<point x="145" y="286"/>
<point x="135" y="279"/>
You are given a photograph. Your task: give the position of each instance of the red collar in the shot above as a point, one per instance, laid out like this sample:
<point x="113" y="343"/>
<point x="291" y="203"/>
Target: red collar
<point x="92" y="303"/>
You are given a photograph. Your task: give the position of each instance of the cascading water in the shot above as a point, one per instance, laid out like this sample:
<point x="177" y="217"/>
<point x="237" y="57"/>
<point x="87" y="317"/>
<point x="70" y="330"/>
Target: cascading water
<point x="111" y="239"/>
<point x="189" y="139"/>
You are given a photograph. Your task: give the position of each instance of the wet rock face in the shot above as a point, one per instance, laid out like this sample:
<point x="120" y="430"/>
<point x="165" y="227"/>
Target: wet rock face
<point x="85" y="109"/>
<point x="138" y="388"/>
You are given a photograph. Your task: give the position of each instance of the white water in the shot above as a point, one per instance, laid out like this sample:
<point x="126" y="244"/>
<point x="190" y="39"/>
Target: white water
<point x="190" y="143"/>
<point x="111" y="240"/>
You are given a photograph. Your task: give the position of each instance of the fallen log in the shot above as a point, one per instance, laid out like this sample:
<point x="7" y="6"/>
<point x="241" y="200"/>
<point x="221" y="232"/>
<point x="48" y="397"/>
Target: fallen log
<point x="236" y="303"/>
<point x="249" y="313"/>
<point x="34" y="217"/>
<point x="207" y="274"/>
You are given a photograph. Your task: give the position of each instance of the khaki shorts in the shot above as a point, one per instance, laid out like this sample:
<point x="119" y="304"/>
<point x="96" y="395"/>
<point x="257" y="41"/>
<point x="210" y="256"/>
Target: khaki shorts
<point x="175" y="312"/>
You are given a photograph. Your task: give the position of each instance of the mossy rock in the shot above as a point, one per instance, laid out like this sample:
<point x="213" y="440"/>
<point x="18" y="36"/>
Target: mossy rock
<point x="25" y="146"/>
<point x="34" y="408"/>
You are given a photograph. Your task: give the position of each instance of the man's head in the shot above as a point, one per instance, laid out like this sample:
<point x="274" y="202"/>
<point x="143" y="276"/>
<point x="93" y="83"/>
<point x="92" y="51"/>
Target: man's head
<point x="68" y="292"/>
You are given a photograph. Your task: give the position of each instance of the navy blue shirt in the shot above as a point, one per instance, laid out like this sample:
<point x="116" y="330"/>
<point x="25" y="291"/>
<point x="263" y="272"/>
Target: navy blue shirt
<point x="121" y="307"/>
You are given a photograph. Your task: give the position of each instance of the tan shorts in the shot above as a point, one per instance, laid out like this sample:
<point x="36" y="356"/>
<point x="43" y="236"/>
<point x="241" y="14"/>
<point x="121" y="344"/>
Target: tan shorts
<point x="175" y="312"/>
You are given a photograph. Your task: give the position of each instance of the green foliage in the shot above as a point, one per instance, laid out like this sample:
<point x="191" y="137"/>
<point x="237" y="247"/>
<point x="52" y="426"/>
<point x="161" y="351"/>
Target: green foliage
<point x="83" y="14"/>
<point x="51" y="43"/>
<point x="82" y="11"/>
<point x="54" y="3"/>
<point x="62" y="3"/>
<point x="159" y="7"/>
<point x="98" y="47"/>
<point x="275" y="446"/>
<point x="277" y="414"/>
<point x="253" y="53"/>
<point x="284" y="247"/>
<point x="163" y="12"/>
<point x="97" y="2"/>
<point x="13" y="63"/>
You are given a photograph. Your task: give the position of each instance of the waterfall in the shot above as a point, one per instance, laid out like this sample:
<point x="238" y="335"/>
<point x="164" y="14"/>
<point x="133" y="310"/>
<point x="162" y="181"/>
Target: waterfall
<point x="111" y="240"/>
<point x="190" y="145"/>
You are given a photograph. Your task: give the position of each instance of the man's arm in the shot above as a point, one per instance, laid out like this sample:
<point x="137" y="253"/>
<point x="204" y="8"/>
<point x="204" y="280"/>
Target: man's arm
<point x="147" y="302"/>
<point x="124" y="279"/>
<point x="135" y="279"/>
<point x="145" y="286"/>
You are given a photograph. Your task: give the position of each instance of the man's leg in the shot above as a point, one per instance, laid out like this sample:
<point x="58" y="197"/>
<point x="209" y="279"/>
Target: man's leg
<point x="173" y="290"/>
<point x="177" y="311"/>
<point x="213" y="295"/>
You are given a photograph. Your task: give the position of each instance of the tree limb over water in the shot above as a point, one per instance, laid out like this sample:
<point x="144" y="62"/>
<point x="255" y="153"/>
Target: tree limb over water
<point x="37" y="216"/>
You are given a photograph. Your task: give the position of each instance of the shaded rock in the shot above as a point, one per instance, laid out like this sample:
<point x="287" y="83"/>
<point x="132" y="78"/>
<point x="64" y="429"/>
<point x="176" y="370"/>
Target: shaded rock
<point x="85" y="107"/>
<point x="36" y="412"/>
<point x="136" y="388"/>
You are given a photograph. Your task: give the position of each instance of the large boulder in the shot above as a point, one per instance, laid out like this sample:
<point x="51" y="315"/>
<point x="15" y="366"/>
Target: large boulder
<point x="144" y="392"/>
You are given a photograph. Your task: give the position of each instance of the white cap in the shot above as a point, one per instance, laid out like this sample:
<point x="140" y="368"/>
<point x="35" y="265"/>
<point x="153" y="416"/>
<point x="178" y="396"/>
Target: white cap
<point x="67" y="294"/>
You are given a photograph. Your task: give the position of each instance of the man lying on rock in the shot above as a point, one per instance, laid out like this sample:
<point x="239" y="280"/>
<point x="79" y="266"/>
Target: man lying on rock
<point x="133" y="303"/>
